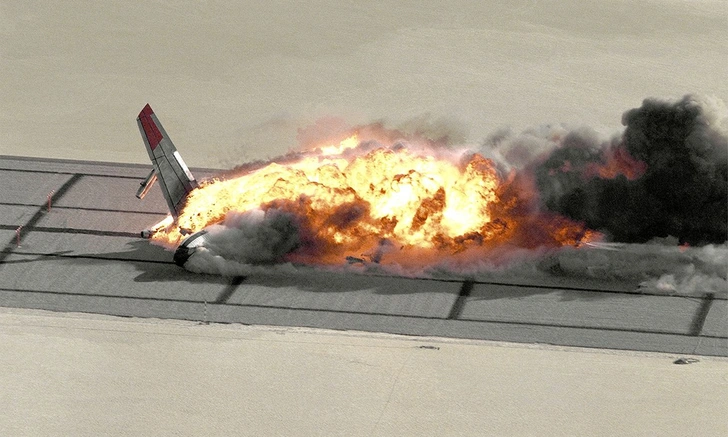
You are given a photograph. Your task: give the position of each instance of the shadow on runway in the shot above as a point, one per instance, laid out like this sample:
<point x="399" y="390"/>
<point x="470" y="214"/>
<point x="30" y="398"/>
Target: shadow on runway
<point x="154" y="264"/>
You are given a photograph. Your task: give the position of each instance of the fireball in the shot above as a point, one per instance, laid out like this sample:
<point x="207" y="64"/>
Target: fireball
<point x="357" y="197"/>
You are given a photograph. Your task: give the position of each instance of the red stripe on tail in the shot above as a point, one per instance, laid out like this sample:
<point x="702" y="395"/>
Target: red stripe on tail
<point x="154" y="136"/>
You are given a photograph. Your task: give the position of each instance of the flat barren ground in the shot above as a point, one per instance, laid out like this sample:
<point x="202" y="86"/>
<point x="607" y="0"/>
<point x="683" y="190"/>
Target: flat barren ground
<point x="235" y="81"/>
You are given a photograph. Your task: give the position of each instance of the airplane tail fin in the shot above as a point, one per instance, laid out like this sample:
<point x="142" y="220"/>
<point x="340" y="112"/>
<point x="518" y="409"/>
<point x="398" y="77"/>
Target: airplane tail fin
<point x="170" y="170"/>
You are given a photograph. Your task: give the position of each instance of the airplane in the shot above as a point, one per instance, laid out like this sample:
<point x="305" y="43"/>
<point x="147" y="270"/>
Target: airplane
<point x="175" y="178"/>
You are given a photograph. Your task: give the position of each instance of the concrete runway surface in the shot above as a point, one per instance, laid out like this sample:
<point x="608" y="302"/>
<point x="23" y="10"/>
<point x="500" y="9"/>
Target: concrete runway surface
<point x="272" y="370"/>
<point x="91" y="375"/>
<point x="84" y="255"/>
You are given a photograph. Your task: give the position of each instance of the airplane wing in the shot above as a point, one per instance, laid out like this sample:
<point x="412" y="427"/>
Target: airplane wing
<point x="170" y="170"/>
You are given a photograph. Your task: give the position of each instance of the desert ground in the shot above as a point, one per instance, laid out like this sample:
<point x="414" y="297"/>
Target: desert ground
<point x="235" y="81"/>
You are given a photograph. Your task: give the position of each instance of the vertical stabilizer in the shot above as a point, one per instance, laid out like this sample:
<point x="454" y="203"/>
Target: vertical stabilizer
<point x="172" y="173"/>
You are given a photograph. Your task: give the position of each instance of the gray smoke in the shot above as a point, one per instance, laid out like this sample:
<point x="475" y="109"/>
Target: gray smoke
<point x="254" y="237"/>
<point x="682" y="190"/>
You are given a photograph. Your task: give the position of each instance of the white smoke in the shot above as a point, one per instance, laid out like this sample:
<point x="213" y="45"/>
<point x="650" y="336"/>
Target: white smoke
<point x="661" y="266"/>
<point x="520" y="149"/>
<point x="209" y="262"/>
<point x="247" y="238"/>
<point x="258" y="242"/>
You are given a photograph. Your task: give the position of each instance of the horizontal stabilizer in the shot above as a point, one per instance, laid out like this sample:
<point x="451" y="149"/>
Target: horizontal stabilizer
<point x="147" y="184"/>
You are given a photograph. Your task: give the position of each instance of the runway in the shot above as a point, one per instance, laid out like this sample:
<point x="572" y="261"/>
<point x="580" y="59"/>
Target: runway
<point x="71" y="244"/>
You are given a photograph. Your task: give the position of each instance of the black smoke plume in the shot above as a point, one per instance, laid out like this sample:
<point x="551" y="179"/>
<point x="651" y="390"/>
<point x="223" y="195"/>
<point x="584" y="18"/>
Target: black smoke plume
<point x="667" y="175"/>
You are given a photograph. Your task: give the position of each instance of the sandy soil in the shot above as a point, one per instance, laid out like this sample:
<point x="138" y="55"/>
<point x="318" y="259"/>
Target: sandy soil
<point x="233" y="81"/>
<point x="112" y="376"/>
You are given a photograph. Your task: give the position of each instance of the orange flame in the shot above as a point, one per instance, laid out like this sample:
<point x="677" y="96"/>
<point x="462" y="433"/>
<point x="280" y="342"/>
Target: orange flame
<point x="617" y="161"/>
<point x="419" y="200"/>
